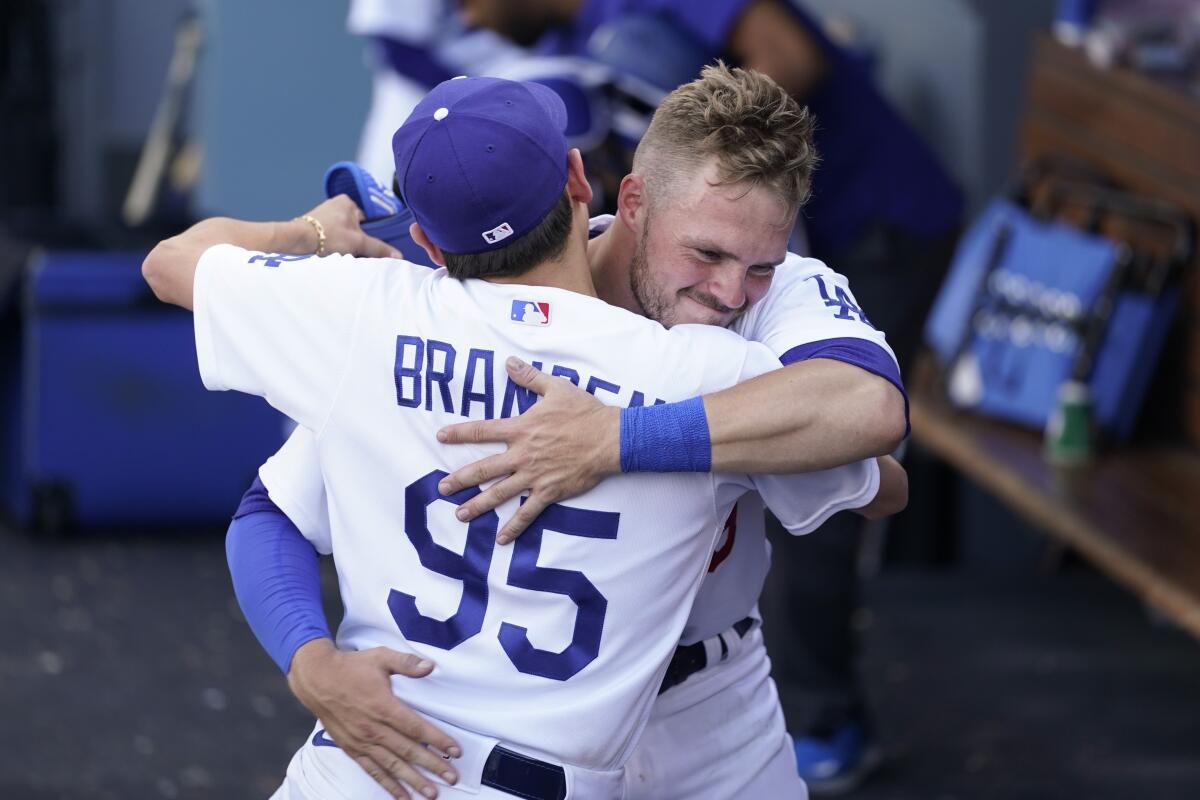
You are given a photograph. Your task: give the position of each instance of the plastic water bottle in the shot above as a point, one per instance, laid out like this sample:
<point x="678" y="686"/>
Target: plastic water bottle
<point x="1069" y="430"/>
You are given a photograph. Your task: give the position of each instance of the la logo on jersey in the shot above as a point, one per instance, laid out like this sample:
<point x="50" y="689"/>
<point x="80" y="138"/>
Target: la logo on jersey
<point x="528" y="312"/>
<point x="498" y="233"/>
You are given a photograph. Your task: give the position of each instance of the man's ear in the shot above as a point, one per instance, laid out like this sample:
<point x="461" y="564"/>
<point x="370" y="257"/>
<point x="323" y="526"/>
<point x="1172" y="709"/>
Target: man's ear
<point x="632" y="204"/>
<point x="435" y="253"/>
<point x="578" y="188"/>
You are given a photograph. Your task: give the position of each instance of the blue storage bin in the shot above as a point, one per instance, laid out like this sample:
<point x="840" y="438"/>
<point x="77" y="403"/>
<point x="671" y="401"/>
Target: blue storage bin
<point x="107" y="420"/>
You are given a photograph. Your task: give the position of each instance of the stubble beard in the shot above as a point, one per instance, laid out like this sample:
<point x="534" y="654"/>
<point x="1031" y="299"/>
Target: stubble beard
<point x="647" y="295"/>
<point x="658" y="306"/>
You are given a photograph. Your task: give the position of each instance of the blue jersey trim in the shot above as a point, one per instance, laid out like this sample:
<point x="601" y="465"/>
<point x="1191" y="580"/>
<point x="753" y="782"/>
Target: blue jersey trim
<point x="861" y="353"/>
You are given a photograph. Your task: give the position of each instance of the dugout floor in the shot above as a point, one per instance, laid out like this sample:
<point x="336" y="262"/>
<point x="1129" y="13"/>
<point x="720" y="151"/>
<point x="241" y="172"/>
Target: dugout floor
<point x="128" y="674"/>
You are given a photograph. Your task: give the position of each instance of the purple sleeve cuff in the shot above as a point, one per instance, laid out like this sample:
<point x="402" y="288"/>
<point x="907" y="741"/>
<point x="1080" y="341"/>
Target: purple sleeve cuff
<point x="861" y="353"/>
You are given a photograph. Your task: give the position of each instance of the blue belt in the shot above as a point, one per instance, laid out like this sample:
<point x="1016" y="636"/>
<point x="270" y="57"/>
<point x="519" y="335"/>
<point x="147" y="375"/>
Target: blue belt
<point x="523" y="776"/>
<point x="691" y="658"/>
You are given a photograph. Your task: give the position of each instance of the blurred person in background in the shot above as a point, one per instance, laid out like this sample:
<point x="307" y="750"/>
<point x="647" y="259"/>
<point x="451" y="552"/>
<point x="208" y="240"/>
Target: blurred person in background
<point x="412" y="46"/>
<point x="885" y="214"/>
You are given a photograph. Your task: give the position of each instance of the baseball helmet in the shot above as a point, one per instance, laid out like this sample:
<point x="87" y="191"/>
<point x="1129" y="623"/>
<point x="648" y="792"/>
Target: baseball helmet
<point x="648" y="57"/>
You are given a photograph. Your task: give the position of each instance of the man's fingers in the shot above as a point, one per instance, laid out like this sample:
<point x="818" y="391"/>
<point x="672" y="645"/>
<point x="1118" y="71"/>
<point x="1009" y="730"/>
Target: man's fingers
<point x="527" y="375"/>
<point x="524" y="517"/>
<point x="401" y="755"/>
<point x="408" y="664"/>
<point x="475" y="474"/>
<point x="381" y="776"/>
<point x="492" y="430"/>
<point x="415" y="779"/>
<point x="420" y="730"/>
<point x="377" y="248"/>
<point x="406" y="736"/>
<point x="486" y="501"/>
<point x="397" y="772"/>
<point x="398" y="716"/>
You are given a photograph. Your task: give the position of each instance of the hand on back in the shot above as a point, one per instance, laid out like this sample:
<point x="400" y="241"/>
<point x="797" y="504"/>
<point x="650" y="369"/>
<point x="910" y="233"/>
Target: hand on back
<point x="561" y="447"/>
<point x="351" y="693"/>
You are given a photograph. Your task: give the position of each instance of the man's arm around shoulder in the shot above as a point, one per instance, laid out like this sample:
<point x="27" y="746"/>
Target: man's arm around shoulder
<point x="810" y="415"/>
<point x="170" y="268"/>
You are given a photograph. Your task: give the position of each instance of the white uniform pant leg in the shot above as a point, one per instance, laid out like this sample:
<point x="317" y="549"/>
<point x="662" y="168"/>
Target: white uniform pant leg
<point x="718" y="735"/>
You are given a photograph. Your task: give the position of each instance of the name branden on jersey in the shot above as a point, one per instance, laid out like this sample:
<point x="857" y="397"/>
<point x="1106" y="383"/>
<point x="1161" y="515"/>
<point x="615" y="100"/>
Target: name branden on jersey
<point x="426" y="368"/>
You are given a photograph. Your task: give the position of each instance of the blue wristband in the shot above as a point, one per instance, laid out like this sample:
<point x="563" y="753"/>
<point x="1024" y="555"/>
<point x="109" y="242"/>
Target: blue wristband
<point x="666" y="438"/>
<point x="277" y="580"/>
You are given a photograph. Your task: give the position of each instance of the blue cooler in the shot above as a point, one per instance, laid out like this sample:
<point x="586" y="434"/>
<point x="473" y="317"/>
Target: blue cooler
<point x="107" y="421"/>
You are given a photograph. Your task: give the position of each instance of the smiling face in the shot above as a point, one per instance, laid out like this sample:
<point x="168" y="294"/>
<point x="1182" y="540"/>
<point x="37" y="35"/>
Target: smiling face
<point x="707" y="252"/>
<point x="717" y="181"/>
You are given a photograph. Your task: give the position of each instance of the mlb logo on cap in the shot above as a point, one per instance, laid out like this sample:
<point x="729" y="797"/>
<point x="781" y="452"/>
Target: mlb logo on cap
<point x="527" y="312"/>
<point x="498" y="233"/>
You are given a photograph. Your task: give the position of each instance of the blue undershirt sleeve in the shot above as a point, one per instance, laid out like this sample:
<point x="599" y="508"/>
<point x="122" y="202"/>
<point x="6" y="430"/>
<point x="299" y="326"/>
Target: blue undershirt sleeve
<point x="276" y="577"/>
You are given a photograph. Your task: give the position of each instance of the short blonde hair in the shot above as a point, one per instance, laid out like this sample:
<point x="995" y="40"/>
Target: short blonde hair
<point x="757" y="132"/>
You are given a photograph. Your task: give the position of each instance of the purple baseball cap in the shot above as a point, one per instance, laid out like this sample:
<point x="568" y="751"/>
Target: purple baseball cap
<point x="481" y="161"/>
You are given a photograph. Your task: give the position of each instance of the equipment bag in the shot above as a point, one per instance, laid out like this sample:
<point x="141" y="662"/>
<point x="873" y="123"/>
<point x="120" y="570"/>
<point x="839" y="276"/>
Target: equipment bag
<point x="1031" y="301"/>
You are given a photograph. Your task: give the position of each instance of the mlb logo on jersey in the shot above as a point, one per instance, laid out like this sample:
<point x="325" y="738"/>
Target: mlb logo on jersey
<point x="528" y="312"/>
<point x="496" y="234"/>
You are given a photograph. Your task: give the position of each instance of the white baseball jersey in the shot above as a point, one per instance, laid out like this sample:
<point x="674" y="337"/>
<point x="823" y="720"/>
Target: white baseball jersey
<point x="807" y="305"/>
<point x="558" y="643"/>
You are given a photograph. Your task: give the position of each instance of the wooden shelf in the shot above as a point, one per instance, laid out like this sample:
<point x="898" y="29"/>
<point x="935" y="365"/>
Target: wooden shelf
<point x="1134" y="513"/>
<point x="1146" y="136"/>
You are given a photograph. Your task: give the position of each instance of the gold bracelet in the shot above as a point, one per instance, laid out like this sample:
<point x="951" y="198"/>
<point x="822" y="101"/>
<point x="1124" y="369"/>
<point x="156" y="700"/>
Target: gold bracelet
<point x="318" y="227"/>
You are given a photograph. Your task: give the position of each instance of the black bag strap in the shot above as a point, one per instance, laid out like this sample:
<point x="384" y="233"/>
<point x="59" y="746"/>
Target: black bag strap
<point x="1108" y="201"/>
<point x="1070" y="181"/>
<point x="1095" y="323"/>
